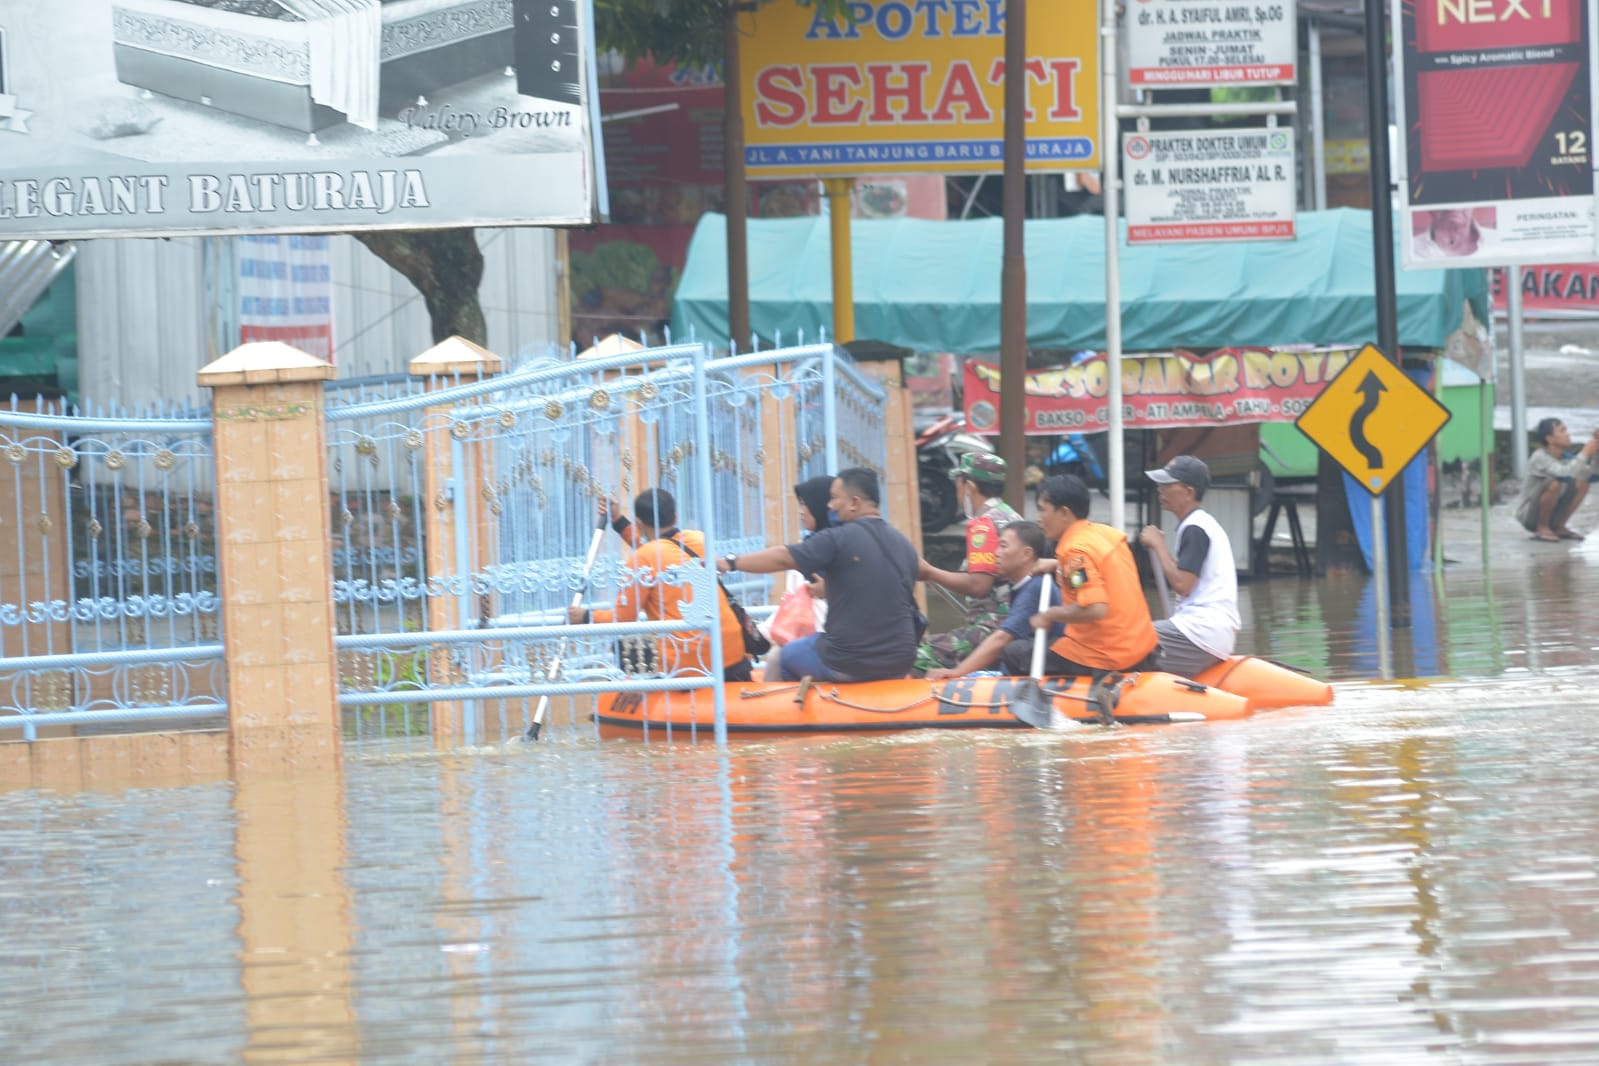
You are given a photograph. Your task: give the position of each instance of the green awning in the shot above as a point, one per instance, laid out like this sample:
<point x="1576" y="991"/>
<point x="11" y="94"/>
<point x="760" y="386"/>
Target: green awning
<point x="934" y="286"/>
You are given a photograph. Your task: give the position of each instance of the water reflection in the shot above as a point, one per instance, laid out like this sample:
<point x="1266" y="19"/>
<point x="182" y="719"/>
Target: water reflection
<point x="1466" y="622"/>
<point x="1411" y="874"/>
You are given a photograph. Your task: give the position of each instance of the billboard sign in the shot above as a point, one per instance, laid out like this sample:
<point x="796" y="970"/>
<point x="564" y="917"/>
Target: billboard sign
<point x="218" y="117"/>
<point x="1209" y="185"/>
<point x="913" y="88"/>
<point x="1496" y="104"/>
<point x="1172" y="43"/>
<point x="1162" y="391"/>
<point x="1568" y="290"/>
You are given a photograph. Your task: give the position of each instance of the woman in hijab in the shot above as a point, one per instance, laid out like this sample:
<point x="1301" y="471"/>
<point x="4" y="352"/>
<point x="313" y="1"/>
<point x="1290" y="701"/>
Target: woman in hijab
<point x="813" y="495"/>
<point x="814" y="514"/>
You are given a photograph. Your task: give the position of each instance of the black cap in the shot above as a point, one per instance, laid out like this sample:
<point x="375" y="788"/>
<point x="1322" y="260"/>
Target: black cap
<point x="1185" y="469"/>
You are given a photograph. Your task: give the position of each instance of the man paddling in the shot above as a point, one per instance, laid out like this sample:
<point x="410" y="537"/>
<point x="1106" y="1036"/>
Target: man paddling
<point x="1102" y="603"/>
<point x="1021" y="545"/>
<point x="658" y="546"/>
<point x="1204" y="621"/>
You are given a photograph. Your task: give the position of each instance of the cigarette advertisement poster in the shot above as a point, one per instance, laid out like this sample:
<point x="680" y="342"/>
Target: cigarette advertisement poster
<point x="166" y="117"/>
<point x="1200" y="185"/>
<point x="1496" y="105"/>
<point x="1160" y="391"/>
<point x="914" y="87"/>
<point x="1172" y="43"/>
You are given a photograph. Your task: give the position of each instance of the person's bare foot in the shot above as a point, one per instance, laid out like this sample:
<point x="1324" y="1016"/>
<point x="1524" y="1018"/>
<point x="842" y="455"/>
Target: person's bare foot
<point x="1546" y="535"/>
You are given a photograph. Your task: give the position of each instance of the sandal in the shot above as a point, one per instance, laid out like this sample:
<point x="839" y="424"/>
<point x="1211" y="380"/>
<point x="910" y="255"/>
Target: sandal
<point x="1568" y="534"/>
<point x="1547" y="538"/>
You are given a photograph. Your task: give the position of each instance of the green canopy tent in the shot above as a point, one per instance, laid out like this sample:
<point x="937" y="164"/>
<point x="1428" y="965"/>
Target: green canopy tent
<point x="934" y="286"/>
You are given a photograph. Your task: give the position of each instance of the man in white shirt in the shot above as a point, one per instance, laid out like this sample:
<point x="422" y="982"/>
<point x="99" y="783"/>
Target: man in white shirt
<point x="1204" y="621"/>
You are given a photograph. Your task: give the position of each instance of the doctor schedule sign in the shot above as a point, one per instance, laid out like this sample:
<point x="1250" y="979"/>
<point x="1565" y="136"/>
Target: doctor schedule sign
<point x="1174" y="43"/>
<point x="914" y="86"/>
<point x="1209" y="185"/>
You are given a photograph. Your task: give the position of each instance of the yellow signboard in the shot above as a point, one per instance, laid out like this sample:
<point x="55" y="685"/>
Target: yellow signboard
<point x="913" y="86"/>
<point x="1372" y="419"/>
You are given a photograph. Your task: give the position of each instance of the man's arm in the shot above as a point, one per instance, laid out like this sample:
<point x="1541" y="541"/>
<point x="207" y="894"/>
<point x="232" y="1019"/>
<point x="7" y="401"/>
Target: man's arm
<point x="766" y="561"/>
<point x="963" y="582"/>
<point x="1069" y="613"/>
<point x="982" y="657"/>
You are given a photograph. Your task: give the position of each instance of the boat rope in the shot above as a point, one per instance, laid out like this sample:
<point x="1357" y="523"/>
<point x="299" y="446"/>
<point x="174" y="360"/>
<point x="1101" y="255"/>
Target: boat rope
<point x="834" y="697"/>
<point x="755" y="694"/>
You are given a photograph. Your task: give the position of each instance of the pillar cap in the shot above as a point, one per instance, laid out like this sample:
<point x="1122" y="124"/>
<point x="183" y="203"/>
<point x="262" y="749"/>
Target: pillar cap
<point x="264" y="363"/>
<point x="457" y="355"/>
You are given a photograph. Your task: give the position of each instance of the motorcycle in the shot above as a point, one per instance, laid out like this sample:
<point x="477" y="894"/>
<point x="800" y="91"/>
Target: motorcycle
<point x="939" y="447"/>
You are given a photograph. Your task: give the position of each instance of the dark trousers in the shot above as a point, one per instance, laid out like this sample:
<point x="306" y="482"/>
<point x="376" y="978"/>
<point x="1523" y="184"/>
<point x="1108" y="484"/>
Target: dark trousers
<point x="739" y="671"/>
<point x="1018" y="661"/>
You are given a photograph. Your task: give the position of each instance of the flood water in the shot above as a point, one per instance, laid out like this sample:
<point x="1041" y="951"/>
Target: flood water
<point x="1409" y="876"/>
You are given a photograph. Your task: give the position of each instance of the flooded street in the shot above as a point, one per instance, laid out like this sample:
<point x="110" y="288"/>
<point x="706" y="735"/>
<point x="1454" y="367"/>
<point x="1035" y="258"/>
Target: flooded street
<point x="1409" y="876"/>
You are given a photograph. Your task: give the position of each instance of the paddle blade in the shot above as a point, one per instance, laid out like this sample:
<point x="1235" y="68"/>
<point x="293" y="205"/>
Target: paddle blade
<point x="1031" y="705"/>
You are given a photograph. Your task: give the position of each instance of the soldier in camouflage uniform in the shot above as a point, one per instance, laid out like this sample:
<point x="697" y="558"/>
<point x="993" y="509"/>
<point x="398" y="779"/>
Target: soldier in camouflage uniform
<point x="979" y="481"/>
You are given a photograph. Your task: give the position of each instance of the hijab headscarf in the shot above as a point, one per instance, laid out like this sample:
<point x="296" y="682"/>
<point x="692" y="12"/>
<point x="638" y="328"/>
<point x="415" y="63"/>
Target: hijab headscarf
<point x="814" y="493"/>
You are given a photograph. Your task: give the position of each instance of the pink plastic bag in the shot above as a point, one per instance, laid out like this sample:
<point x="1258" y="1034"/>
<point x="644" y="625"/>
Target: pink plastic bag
<point x="795" y="616"/>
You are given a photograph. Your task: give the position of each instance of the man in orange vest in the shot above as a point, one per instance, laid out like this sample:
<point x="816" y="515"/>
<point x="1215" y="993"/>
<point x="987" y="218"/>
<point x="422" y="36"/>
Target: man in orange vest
<point x="659" y="545"/>
<point x="1102" y="604"/>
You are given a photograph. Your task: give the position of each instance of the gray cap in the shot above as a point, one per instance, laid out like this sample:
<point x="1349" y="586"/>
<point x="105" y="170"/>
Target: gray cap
<point x="1184" y="469"/>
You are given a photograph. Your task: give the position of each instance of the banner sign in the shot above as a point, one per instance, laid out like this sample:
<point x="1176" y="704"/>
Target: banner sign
<point x="285" y="292"/>
<point x="1173" y="389"/>
<point x="913" y="87"/>
<point x="1497" y="109"/>
<point x="219" y="116"/>
<point x="1201" y="185"/>
<point x="1211" y="42"/>
<point x="1567" y="291"/>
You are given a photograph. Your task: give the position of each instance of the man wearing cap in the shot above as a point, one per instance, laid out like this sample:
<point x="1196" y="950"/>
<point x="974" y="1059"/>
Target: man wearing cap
<point x="1204" y="620"/>
<point x="979" y="483"/>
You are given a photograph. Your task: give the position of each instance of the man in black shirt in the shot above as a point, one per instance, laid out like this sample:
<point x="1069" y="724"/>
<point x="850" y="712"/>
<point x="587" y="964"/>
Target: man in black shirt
<point x="870" y="570"/>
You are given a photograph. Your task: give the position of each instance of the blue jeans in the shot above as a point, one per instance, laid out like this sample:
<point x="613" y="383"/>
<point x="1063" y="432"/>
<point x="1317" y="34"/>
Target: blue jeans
<point x="800" y="659"/>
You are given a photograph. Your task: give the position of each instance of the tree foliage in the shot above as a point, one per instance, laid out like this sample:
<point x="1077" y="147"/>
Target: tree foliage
<point x="686" y="32"/>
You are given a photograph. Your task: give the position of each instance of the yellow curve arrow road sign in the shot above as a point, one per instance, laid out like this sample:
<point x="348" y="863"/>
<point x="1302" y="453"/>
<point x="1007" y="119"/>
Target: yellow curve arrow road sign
<point x="1372" y="419"/>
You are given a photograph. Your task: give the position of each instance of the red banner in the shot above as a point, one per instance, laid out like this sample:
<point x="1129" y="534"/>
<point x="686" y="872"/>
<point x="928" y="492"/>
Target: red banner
<point x="1225" y="387"/>
<point x="1567" y="291"/>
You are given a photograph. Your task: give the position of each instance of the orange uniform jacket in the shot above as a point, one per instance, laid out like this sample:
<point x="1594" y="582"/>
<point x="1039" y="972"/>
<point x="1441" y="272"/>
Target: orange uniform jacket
<point x="1095" y="565"/>
<point x="686" y="651"/>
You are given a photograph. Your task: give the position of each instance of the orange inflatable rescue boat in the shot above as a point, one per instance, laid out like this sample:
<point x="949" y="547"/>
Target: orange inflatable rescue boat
<point x="1149" y="698"/>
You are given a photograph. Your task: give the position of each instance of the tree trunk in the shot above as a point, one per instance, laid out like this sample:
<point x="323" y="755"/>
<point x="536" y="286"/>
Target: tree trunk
<point x="446" y="266"/>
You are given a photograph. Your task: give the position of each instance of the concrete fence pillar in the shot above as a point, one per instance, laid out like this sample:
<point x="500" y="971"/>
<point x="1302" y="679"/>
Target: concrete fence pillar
<point x="461" y="515"/>
<point x="275" y="556"/>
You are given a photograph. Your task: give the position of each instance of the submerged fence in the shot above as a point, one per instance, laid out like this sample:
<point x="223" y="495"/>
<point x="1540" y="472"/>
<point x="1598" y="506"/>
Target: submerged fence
<point x="460" y="505"/>
<point x="108" y="571"/>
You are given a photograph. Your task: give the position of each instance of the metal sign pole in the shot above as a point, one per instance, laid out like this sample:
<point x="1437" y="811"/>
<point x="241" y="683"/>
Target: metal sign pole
<point x="1110" y="148"/>
<point x="1379" y="573"/>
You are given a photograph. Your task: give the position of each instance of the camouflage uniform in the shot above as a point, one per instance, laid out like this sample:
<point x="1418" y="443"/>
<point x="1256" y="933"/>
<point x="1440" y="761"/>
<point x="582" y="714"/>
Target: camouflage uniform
<point x="983" y="613"/>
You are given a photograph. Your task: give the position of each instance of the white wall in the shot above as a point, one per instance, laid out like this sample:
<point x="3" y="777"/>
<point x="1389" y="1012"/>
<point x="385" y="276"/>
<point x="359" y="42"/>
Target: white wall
<point x="142" y="312"/>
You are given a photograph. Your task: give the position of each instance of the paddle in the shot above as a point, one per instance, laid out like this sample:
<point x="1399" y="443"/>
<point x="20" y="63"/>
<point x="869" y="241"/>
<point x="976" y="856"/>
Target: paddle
<point x="554" y="671"/>
<point x="1029" y="703"/>
<point x="1160" y="583"/>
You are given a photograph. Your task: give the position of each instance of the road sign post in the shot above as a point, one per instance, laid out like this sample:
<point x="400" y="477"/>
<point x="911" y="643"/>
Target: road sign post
<point x="1372" y="420"/>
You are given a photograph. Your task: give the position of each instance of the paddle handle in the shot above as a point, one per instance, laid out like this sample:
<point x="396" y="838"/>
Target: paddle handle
<point x="1040" y="636"/>
<point x="1160" y="583"/>
<point x="555" y="663"/>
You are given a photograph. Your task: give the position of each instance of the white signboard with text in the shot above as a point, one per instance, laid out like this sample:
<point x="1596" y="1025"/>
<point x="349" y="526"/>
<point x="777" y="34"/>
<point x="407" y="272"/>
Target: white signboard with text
<point x="1172" y="43"/>
<point x="1209" y="185"/>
